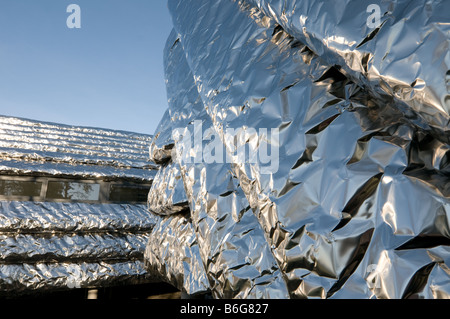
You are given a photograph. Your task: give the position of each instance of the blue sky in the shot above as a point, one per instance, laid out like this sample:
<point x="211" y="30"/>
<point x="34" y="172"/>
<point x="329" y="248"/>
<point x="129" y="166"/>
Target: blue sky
<point x="109" y="73"/>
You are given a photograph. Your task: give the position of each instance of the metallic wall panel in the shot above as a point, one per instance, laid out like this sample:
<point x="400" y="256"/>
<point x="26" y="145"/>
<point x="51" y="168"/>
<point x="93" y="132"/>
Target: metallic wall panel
<point x="358" y="203"/>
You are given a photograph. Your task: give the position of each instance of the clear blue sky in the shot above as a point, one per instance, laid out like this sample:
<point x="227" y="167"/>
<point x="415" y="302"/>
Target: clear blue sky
<point x="109" y="73"/>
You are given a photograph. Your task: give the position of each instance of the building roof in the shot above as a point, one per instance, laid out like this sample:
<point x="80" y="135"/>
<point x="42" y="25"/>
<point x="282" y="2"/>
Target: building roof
<point x="30" y="147"/>
<point x="53" y="242"/>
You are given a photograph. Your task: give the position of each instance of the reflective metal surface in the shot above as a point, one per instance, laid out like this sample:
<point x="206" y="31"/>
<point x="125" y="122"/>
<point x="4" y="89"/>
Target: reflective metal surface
<point x="28" y="146"/>
<point x="358" y="203"/>
<point x="55" y="245"/>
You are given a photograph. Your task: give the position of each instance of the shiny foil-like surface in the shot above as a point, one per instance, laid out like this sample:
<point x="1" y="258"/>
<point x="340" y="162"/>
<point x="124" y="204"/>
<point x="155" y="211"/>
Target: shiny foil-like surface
<point x="29" y="146"/>
<point x="51" y="245"/>
<point x="48" y="246"/>
<point x="358" y="206"/>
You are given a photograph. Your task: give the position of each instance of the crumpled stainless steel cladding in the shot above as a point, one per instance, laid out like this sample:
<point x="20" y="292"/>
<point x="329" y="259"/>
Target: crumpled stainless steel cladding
<point x="359" y="206"/>
<point x="167" y="195"/>
<point x="41" y="142"/>
<point x="219" y="208"/>
<point x="49" y="246"/>
<point x="30" y="278"/>
<point x="405" y="58"/>
<point x="172" y="254"/>
<point x="63" y="245"/>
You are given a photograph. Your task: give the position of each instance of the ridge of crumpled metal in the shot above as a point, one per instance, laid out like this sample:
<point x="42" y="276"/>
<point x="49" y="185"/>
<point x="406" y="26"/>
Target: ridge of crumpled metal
<point x="51" y="245"/>
<point x="81" y="148"/>
<point x="47" y="246"/>
<point x="359" y="206"/>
